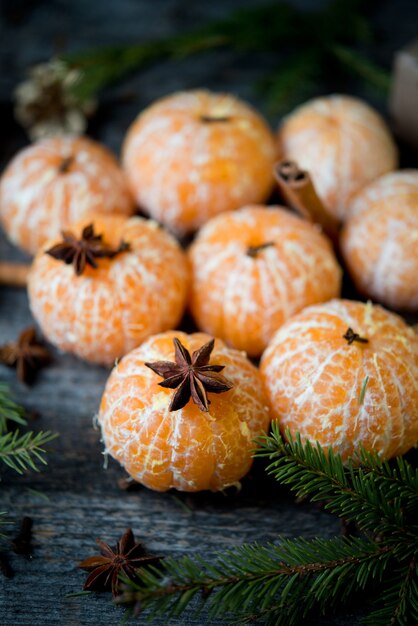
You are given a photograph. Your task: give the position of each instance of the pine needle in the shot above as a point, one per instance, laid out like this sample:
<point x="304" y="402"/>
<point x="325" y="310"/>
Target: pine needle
<point x="363" y="390"/>
<point x="19" y="451"/>
<point x="364" y="68"/>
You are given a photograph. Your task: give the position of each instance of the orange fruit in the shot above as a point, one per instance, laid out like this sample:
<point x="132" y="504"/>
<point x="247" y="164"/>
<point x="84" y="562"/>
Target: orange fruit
<point x="195" y="154"/>
<point x="56" y="182"/>
<point x="380" y="240"/>
<point x="343" y="392"/>
<point x="105" y="312"/>
<point x="254" y="268"/>
<point x="186" y="449"/>
<point x="342" y="142"/>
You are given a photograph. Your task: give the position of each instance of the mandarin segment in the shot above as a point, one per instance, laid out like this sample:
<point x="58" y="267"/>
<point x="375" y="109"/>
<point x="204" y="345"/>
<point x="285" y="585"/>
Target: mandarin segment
<point x="195" y="154"/>
<point x="244" y="296"/>
<point x="187" y="449"/>
<point x="380" y="240"/>
<point x="344" y="395"/>
<point x="342" y="142"/>
<point x="56" y="182"/>
<point x="108" y="311"/>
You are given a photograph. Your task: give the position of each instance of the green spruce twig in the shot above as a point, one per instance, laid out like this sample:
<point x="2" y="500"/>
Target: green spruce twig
<point x="358" y="65"/>
<point x="9" y="410"/>
<point x="19" y="451"/>
<point x="306" y="42"/>
<point x="310" y="48"/>
<point x="285" y="583"/>
<point x="24" y="452"/>
<point x="375" y="497"/>
<point x="294" y="81"/>
<point x="303" y="575"/>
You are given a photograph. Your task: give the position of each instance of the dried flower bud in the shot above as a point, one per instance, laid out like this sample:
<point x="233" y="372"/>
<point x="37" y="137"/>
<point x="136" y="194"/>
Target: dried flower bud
<point x="47" y="104"/>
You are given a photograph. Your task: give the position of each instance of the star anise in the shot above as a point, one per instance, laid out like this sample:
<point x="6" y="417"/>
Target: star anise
<point x="84" y="251"/>
<point x="192" y="376"/>
<point x="126" y="557"/>
<point x="27" y="355"/>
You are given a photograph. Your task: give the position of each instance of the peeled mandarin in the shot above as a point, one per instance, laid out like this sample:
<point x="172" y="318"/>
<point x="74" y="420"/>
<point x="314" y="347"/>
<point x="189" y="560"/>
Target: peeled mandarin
<point x="56" y="182"/>
<point x="342" y="142"/>
<point x="380" y="240"/>
<point x="195" y="154"/>
<point x="185" y="449"/>
<point x="254" y="268"/>
<point x="106" y="312"/>
<point x="345" y="392"/>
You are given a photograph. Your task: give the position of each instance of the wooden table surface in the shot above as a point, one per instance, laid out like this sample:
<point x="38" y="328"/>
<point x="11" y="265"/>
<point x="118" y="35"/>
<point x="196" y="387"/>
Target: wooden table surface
<point x="77" y="499"/>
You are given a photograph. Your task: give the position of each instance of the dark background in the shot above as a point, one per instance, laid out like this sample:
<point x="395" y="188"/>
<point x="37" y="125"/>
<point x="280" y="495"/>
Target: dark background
<point x="76" y="499"/>
<point x="31" y="31"/>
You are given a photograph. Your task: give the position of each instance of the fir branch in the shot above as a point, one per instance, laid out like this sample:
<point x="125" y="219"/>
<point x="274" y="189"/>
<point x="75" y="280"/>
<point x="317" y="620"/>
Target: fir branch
<point x="245" y="580"/>
<point x="23" y="452"/>
<point x="375" y="501"/>
<point x="9" y="410"/>
<point x="358" y="65"/>
<point x="309" y="39"/>
<point x="401" y="599"/>
<point x="284" y="584"/>
<point x="102" y="67"/>
<point x="291" y="83"/>
<point x="399" y="474"/>
<point x="20" y="452"/>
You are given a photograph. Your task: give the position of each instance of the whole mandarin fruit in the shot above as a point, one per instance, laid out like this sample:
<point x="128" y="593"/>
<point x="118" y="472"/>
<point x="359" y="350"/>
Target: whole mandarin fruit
<point x="195" y="154"/>
<point x="56" y="182"/>
<point x="184" y="446"/>
<point x="380" y="240"/>
<point x="345" y="373"/>
<point x="254" y="268"/>
<point x="138" y="288"/>
<point x="342" y="142"/>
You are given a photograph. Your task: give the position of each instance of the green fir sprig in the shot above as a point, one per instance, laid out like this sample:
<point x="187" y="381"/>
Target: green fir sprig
<point x="24" y="452"/>
<point x="308" y="44"/>
<point x="9" y="410"/>
<point x="19" y="451"/>
<point x="285" y="583"/>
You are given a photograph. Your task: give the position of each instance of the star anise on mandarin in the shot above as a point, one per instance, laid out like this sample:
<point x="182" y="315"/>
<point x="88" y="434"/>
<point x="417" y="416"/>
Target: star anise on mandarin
<point x="191" y="376"/>
<point x="126" y="557"/>
<point x="27" y="355"/>
<point x="84" y="251"/>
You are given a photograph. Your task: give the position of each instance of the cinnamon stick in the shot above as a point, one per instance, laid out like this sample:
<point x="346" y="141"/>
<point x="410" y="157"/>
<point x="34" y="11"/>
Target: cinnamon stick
<point x="13" y="274"/>
<point x="298" y="191"/>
